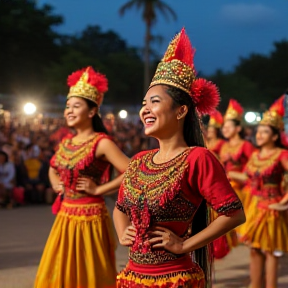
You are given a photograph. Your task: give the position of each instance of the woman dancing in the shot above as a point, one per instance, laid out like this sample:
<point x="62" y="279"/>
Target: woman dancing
<point x="161" y="209"/>
<point x="79" y="252"/>
<point x="266" y="229"/>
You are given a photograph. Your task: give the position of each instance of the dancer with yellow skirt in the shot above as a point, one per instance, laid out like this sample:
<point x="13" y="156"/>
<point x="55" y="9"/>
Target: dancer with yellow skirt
<point x="235" y="153"/>
<point x="223" y="245"/>
<point x="266" y="228"/>
<point x="79" y="252"/>
<point x="161" y="211"/>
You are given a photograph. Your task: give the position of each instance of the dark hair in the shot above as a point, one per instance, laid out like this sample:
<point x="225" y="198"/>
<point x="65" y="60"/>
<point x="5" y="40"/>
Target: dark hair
<point x="238" y="123"/>
<point x="5" y="155"/>
<point x="193" y="137"/>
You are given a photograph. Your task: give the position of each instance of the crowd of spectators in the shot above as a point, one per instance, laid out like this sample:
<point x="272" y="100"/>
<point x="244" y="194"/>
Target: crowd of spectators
<point x="26" y="149"/>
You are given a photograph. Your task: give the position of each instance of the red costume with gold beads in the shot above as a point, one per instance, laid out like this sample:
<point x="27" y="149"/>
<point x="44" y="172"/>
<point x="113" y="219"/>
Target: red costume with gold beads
<point x="170" y="193"/>
<point x="79" y="252"/>
<point x="267" y="229"/>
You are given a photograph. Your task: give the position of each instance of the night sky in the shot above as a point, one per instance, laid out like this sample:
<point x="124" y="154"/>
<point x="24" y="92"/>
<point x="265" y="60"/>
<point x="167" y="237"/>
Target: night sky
<point x="222" y="31"/>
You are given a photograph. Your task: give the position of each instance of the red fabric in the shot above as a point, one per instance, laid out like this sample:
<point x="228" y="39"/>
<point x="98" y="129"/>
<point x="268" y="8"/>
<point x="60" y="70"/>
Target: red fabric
<point x="56" y="205"/>
<point x="220" y="247"/>
<point x="237" y="160"/>
<point x="216" y="149"/>
<point x="18" y="195"/>
<point x="179" y="187"/>
<point x="168" y="267"/>
<point x="207" y="174"/>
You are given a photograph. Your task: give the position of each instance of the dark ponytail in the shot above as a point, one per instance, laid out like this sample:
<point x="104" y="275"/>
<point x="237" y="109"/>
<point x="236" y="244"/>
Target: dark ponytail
<point x="193" y="137"/>
<point x="192" y="130"/>
<point x="97" y="123"/>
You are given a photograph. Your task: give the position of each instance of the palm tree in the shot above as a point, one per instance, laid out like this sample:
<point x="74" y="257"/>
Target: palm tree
<point x="149" y="14"/>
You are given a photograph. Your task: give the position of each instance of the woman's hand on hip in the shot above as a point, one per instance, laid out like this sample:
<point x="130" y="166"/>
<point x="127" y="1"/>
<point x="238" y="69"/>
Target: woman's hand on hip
<point x="161" y="237"/>
<point x="128" y="236"/>
<point x="86" y="185"/>
<point x="59" y="187"/>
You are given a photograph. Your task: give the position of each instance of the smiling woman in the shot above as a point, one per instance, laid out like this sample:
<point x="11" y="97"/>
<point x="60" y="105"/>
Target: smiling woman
<point x="162" y="203"/>
<point x="79" y="252"/>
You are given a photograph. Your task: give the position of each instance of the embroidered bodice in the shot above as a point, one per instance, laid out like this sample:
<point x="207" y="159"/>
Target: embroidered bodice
<point x="266" y="174"/>
<point x="73" y="160"/>
<point x="234" y="158"/>
<point x="169" y="194"/>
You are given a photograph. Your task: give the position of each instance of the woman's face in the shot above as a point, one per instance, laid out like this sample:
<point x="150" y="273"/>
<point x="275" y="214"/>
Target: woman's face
<point x="265" y="136"/>
<point x="157" y="113"/>
<point x="229" y="129"/>
<point x="77" y="112"/>
<point x="211" y="132"/>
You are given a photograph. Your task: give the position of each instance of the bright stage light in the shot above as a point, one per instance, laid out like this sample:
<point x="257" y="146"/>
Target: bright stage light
<point x="250" y="117"/>
<point x="123" y="114"/>
<point x="29" y="108"/>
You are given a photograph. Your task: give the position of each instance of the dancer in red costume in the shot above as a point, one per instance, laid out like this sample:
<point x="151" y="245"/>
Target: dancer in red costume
<point x="214" y="141"/>
<point x="80" y="249"/>
<point x="161" y="209"/>
<point x="235" y="153"/>
<point x="266" y="229"/>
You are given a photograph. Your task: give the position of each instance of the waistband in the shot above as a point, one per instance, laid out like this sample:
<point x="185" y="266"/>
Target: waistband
<point x="180" y="264"/>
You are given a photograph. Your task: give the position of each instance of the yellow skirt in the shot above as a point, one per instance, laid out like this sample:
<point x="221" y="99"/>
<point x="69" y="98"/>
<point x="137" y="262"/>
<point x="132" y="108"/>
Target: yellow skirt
<point x="80" y="250"/>
<point x="243" y="195"/>
<point x="265" y="229"/>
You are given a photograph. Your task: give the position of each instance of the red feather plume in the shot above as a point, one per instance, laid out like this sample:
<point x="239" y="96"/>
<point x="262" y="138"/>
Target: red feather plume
<point x="217" y="116"/>
<point x="205" y="95"/>
<point x="183" y="49"/>
<point x="278" y="106"/>
<point x="95" y="79"/>
<point x="233" y="104"/>
<point x="74" y="77"/>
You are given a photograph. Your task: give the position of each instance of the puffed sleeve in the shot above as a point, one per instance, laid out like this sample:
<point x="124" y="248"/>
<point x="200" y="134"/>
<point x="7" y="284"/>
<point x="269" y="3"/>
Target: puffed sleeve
<point x="210" y="178"/>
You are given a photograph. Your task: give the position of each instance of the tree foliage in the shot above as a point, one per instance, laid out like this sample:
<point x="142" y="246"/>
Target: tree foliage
<point x="257" y="79"/>
<point x="37" y="60"/>
<point x="28" y="45"/>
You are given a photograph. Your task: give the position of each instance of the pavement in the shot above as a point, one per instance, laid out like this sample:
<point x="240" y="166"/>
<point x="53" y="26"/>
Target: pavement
<point x="24" y="231"/>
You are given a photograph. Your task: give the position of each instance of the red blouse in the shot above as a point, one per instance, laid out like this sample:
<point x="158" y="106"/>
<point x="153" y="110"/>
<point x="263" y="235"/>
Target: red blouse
<point x="235" y="158"/>
<point x="169" y="194"/>
<point x="266" y="174"/>
<point x="217" y="147"/>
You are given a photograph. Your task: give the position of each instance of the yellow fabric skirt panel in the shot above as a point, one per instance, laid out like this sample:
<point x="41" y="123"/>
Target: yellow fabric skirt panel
<point x="80" y="250"/>
<point x="247" y="198"/>
<point x="265" y="229"/>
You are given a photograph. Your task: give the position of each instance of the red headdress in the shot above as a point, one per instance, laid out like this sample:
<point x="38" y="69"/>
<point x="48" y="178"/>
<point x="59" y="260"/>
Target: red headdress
<point x="216" y="119"/>
<point x="234" y="111"/>
<point x="88" y="84"/>
<point x="274" y="116"/>
<point x="177" y="69"/>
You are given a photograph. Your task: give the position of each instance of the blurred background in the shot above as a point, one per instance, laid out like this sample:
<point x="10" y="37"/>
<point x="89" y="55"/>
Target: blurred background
<point x="242" y="46"/>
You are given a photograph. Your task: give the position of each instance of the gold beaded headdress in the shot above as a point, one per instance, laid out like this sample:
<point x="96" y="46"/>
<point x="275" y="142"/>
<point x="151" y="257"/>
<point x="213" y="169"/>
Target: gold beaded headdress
<point x="88" y="84"/>
<point x="177" y="69"/>
<point x="274" y="116"/>
<point x="234" y="111"/>
<point x="216" y="119"/>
